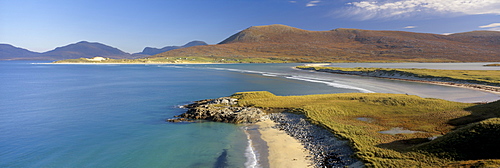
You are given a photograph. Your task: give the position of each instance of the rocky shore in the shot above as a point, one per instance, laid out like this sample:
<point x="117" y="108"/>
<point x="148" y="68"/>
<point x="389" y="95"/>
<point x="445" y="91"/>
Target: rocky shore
<point x="324" y="148"/>
<point x="220" y="110"/>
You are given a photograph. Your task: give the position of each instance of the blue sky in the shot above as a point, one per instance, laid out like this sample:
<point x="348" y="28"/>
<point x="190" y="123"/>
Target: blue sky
<point x="42" y="25"/>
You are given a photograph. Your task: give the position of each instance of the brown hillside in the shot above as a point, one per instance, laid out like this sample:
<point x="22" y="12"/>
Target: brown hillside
<point x="297" y="45"/>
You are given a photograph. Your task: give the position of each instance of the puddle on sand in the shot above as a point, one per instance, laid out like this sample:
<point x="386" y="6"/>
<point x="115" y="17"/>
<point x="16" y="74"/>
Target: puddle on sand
<point x="365" y="119"/>
<point x="398" y="130"/>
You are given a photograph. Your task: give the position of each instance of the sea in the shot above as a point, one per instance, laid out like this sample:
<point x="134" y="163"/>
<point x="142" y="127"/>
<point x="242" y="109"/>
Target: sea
<point x="113" y="115"/>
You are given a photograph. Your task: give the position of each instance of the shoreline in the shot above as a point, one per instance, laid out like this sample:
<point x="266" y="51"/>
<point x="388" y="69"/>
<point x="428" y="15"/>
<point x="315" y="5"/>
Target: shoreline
<point x="294" y="142"/>
<point x="486" y="88"/>
<point x="283" y="150"/>
<point x="144" y="63"/>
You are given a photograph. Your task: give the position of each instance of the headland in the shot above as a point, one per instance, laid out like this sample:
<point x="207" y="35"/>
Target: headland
<point x="356" y="126"/>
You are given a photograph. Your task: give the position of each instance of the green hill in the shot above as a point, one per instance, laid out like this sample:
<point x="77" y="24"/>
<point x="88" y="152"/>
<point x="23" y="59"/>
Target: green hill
<point x="478" y="140"/>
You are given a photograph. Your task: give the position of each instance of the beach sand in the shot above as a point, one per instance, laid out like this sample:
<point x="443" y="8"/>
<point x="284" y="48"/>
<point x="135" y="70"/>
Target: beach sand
<point x="284" y="150"/>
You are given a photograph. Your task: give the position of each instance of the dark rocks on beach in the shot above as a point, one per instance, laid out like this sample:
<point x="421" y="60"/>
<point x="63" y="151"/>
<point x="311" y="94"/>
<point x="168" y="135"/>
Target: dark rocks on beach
<point x="326" y="150"/>
<point x="221" y="110"/>
<point x="221" y="160"/>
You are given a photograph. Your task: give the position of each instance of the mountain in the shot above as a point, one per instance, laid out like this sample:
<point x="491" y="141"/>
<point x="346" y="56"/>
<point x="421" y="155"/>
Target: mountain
<point x="9" y="52"/>
<point x="81" y="49"/>
<point x="297" y="45"/>
<point x="152" y="51"/>
<point x="86" y="49"/>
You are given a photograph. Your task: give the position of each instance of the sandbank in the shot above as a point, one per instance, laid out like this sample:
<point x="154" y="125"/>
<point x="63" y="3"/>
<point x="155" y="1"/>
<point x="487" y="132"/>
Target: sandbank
<point x="284" y="150"/>
<point x="317" y="64"/>
<point x="132" y="63"/>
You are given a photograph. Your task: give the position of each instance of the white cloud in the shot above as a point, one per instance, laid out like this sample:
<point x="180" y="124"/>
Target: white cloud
<point x="368" y="9"/>
<point x="312" y="3"/>
<point x="495" y="29"/>
<point x="292" y="1"/>
<point x="490" y="25"/>
<point x="410" y="27"/>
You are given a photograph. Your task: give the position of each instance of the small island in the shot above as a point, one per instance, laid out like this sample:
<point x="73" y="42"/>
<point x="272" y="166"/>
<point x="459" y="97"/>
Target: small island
<point x="383" y="130"/>
<point x="492" y="65"/>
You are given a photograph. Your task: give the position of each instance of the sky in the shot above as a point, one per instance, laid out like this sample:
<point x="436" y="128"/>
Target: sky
<point x="131" y="25"/>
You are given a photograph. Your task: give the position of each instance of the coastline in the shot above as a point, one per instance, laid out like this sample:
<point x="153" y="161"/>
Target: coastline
<point x="486" y="88"/>
<point x="294" y="142"/>
<point x="132" y="63"/>
<point x="283" y="150"/>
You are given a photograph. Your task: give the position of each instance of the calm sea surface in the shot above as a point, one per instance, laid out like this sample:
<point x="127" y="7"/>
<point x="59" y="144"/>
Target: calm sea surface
<point x="113" y="115"/>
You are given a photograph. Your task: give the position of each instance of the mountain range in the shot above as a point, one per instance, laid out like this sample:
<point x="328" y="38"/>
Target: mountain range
<point x="349" y="45"/>
<point x="289" y="44"/>
<point x="82" y="49"/>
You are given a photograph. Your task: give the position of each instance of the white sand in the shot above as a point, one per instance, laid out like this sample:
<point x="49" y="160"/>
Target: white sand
<point x="284" y="150"/>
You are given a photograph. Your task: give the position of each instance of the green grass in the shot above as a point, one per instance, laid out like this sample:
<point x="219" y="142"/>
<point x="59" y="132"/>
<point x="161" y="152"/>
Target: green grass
<point x="339" y="113"/>
<point x="474" y="141"/>
<point x="489" y="77"/>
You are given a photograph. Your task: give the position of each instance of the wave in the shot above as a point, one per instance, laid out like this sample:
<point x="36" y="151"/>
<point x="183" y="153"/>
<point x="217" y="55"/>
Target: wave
<point x="250" y="153"/>
<point x="333" y="84"/>
<point x="289" y="76"/>
<point x="302" y="78"/>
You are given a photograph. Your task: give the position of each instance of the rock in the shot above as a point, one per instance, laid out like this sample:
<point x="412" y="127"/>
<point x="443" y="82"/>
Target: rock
<point x="326" y="150"/>
<point x="222" y="110"/>
<point x="179" y="120"/>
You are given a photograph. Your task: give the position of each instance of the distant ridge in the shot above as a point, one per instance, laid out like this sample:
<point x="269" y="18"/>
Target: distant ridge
<point x="82" y="49"/>
<point x="152" y="51"/>
<point x="9" y="52"/>
<point x="85" y="49"/>
<point x="350" y="45"/>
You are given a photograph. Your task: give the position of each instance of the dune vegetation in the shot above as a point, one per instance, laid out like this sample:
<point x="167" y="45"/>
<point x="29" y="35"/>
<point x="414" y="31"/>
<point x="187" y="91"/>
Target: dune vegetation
<point x="428" y="126"/>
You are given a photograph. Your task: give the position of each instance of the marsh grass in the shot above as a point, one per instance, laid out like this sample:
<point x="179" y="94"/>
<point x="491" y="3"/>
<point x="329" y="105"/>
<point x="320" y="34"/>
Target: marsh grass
<point x="339" y="113"/>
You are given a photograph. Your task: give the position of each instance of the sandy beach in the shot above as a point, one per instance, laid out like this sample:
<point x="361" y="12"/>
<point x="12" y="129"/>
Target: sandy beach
<point x="132" y="63"/>
<point x="284" y="150"/>
<point x="293" y="142"/>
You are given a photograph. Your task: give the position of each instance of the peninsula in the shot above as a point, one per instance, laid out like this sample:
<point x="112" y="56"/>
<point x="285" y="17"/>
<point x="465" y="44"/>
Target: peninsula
<point x="384" y="130"/>
<point x="487" y="80"/>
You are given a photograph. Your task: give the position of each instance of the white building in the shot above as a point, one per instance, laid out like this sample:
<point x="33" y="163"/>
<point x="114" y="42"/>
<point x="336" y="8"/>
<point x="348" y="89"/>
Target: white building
<point x="97" y="59"/>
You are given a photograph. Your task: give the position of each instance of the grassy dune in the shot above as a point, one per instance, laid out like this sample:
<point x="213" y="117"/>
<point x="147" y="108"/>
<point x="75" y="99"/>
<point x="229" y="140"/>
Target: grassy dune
<point x="359" y="118"/>
<point x="490" y="77"/>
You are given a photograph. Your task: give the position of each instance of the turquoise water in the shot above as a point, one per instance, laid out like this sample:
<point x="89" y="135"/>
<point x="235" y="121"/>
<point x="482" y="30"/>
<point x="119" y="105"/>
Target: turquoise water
<point x="113" y="115"/>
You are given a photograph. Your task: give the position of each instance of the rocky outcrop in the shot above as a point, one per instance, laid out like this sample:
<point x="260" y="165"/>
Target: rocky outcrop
<point x="326" y="150"/>
<point x="221" y="110"/>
